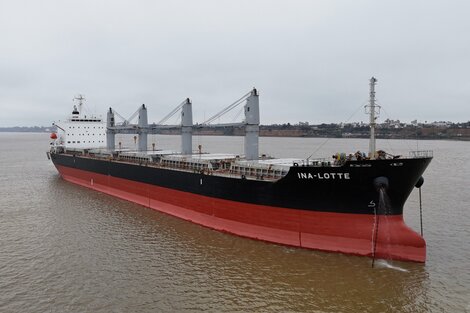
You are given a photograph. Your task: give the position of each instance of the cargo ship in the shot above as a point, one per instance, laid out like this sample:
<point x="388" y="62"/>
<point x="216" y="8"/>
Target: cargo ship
<point x="351" y="204"/>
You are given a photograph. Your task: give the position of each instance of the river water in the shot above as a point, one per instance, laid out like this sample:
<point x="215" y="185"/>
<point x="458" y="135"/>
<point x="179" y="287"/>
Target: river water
<point x="65" y="248"/>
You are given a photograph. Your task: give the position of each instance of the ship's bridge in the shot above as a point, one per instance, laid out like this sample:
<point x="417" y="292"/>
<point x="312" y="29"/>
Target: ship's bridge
<point x="81" y="131"/>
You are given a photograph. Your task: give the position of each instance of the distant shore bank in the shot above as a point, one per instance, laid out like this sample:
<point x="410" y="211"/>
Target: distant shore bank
<point x="460" y="132"/>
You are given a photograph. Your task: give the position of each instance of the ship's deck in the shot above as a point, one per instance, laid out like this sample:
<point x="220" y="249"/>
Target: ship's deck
<point x="219" y="164"/>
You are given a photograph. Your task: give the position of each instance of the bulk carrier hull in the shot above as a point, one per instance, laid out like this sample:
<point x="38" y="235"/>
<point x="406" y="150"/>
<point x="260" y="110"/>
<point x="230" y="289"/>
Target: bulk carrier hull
<point x="352" y="204"/>
<point x="329" y="208"/>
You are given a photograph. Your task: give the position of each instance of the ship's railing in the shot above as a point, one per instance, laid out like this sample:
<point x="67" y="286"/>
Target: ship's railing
<point x="421" y="154"/>
<point x="185" y="164"/>
<point x="258" y="172"/>
<point x="317" y="162"/>
<point x="134" y="158"/>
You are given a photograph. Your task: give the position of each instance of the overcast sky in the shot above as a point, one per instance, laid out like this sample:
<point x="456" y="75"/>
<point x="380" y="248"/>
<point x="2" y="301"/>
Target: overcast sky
<point x="310" y="60"/>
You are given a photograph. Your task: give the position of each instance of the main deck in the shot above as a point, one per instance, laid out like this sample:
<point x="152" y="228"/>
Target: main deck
<point x="266" y="168"/>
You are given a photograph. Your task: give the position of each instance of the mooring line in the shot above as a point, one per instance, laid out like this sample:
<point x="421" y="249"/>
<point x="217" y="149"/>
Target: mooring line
<point x="375" y="235"/>
<point x="420" y="212"/>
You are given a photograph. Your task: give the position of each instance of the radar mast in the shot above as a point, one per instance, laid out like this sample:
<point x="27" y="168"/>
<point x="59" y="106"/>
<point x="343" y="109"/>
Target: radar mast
<point x="80" y="99"/>
<point x="372" y="109"/>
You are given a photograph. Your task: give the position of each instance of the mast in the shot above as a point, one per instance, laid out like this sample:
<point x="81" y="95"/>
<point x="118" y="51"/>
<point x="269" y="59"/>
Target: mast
<point x="186" y="127"/>
<point x="110" y="133"/>
<point x="143" y="125"/>
<point x="372" y="109"/>
<point x="252" y="126"/>
<point x="80" y="99"/>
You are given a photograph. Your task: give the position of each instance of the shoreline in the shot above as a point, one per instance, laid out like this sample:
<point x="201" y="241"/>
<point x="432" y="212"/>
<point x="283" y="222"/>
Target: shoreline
<point x="280" y="135"/>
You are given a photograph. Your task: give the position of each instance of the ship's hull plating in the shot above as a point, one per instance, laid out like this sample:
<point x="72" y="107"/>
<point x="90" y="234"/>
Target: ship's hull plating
<point x="302" y="210"/>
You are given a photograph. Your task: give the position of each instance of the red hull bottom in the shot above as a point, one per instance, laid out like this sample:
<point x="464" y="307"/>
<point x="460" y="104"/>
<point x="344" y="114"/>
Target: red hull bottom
<point x="335" y="232"/>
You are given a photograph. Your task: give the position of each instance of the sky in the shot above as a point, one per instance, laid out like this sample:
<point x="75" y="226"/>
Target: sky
<point x="310" y="60"/>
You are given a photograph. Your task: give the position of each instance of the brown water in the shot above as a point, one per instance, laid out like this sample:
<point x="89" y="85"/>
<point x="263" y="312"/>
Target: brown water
<point x="64" y="248"/>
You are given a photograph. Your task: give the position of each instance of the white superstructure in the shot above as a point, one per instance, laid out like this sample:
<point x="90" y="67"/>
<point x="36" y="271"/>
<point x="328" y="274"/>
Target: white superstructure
<point x="81" y="131"/>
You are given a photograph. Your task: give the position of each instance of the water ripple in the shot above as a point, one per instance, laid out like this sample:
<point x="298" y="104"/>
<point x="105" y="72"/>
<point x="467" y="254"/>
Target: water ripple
<point x="65" y="248"/>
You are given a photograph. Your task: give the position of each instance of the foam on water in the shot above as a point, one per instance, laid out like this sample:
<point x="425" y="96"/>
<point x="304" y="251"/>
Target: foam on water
<point x="385" y="264"/>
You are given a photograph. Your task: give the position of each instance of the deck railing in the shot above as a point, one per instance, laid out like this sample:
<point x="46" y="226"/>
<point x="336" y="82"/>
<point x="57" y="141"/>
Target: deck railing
<point x="421" y="154"/>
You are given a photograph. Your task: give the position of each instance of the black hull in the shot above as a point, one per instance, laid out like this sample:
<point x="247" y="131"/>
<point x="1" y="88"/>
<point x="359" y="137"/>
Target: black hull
<point x="346" y="189"/>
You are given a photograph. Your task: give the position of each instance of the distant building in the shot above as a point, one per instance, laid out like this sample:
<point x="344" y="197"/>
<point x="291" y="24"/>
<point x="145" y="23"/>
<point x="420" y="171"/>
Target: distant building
<point x="388" y="123"/>
<point x="441" y="124"/>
